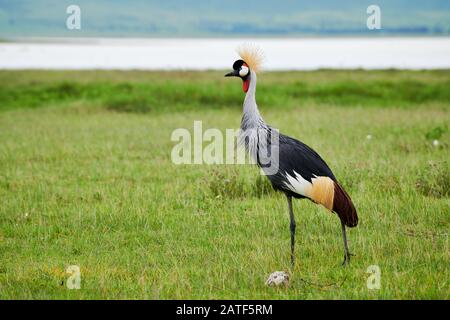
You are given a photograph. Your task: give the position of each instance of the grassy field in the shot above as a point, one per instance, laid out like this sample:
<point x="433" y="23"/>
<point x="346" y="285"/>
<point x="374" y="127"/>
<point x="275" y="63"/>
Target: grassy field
<point x="86" y="179"/>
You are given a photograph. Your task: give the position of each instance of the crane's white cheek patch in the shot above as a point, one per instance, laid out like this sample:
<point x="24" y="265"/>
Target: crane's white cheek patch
<point x="244" y="71"/>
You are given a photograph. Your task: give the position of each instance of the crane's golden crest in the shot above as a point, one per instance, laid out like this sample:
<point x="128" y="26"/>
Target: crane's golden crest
<point x="252" y="56"/>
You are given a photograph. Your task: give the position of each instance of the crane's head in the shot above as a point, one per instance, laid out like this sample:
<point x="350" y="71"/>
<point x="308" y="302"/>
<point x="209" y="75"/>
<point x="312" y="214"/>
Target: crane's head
<point x="241" y="70"/>
<point x="251" y="59"/>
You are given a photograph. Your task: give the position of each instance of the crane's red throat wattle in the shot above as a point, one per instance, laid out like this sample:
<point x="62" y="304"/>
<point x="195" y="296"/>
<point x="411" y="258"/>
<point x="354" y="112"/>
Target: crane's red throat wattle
<point x="245" y="85"/>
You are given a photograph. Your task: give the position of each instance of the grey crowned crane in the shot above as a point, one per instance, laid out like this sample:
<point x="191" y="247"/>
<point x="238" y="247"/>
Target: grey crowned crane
<point x="301" y="172"/>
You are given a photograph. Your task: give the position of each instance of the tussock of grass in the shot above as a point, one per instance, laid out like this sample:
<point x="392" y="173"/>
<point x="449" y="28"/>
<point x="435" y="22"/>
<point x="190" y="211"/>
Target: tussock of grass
<point x="436" y="132"/>
<point x="232" y="184"/>
<point x="434" y="180"/>
<point x="225" y="184"/>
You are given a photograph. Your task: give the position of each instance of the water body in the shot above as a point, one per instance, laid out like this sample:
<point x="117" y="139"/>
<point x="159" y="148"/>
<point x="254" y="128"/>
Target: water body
<point x="202" y="54"/>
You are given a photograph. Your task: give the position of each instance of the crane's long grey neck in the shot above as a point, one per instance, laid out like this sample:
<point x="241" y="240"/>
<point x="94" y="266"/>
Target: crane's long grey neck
<point x="251" y="117"/>
<point x="253" y="133"/>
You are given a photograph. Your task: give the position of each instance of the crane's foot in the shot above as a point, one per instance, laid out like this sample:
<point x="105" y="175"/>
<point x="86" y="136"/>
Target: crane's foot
<point x="347" y="259"/>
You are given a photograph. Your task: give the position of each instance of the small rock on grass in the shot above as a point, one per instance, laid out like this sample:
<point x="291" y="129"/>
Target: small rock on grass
<point x="278" y="278"/>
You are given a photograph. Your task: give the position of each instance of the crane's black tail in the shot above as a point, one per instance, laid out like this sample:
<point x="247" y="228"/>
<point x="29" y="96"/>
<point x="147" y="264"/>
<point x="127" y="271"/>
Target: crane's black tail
<point x="343" y="206"/>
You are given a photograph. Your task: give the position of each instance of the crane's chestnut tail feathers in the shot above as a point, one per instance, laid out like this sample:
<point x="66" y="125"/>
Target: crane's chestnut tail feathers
<point x="343" y="206"/>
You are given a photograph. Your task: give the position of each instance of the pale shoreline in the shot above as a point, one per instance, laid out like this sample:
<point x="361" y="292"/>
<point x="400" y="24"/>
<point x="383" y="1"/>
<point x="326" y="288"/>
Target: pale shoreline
<point x="205" y="54"/>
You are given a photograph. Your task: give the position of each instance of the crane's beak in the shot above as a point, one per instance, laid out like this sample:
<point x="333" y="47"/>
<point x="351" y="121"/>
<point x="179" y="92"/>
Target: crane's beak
<point x="234" y="73"/>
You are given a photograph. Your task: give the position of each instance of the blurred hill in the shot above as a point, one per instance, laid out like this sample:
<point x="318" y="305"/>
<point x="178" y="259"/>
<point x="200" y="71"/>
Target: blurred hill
<point x="136" y="18"/>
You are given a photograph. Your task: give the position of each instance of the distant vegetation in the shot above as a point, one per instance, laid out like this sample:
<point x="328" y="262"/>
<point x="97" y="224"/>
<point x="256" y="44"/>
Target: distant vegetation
<point x="171" y="92"/>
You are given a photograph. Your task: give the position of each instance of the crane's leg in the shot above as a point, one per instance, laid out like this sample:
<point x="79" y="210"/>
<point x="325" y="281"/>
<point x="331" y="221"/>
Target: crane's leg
<point x="292" y="227"/>
<point x="346" y="252"/>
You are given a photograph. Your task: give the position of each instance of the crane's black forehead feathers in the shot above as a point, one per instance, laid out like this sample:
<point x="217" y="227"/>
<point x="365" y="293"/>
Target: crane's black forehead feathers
<point x="238" y="64"/>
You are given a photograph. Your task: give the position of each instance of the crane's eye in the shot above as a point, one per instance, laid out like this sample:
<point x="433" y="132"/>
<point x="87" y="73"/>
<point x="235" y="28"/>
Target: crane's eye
<point x="243" y="71"/>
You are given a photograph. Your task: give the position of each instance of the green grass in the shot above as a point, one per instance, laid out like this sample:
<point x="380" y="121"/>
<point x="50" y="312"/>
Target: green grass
<point x="86" y="179"/>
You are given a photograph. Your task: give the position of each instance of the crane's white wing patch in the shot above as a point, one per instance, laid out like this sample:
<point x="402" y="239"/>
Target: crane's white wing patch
<point x="320" y="189"/>
<point x="298" y="184"/>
